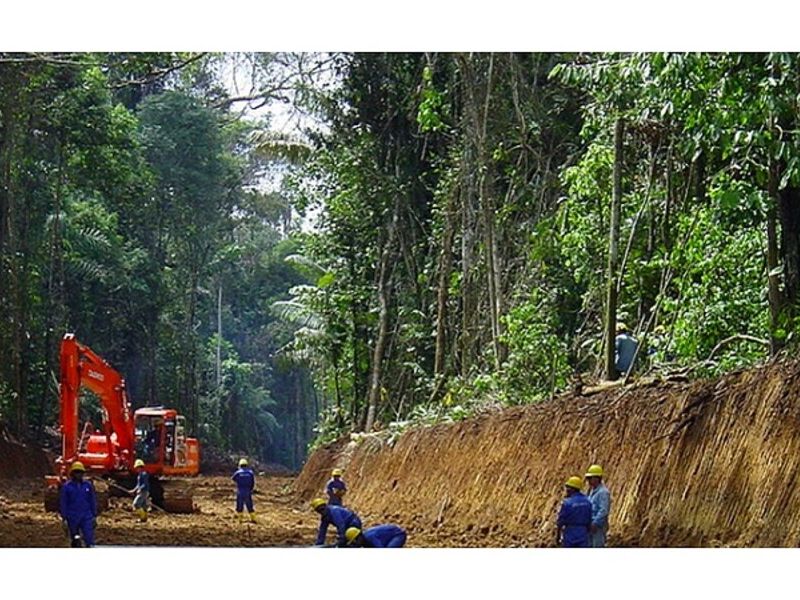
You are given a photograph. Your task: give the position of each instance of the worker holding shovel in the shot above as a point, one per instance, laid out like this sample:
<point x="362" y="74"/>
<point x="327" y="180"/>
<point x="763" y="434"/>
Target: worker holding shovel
<point x="142" y="490"/>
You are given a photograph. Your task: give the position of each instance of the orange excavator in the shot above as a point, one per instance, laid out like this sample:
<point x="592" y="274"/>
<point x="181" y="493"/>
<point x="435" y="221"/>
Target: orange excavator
<point x="157" y="435"/>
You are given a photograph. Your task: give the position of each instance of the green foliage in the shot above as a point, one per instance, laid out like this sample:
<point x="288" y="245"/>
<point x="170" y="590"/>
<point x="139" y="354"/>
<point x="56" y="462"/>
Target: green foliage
<point x="538" y="362"/>
<point x="431" y="106"/>
<point x="130" y="203"/>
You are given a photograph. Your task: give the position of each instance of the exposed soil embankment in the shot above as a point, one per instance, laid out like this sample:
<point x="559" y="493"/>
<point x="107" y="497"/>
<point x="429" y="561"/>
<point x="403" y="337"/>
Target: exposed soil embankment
<point x="20" y="460"/>
<point x="708" y="463"/>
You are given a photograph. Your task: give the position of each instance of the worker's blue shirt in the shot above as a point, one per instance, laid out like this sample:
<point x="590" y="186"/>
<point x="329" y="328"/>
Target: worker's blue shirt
<point x="380" y="535"/>
<point x="77" y="501"/>
<point x="335" y="484"/>
<point x="600" y="498"/>
<point x="625" y="350"/>
<point x="245" y="480"/>
<point x="341" y="518"/>
<point x="575" y="516"/>
<point x="143" y="482"/>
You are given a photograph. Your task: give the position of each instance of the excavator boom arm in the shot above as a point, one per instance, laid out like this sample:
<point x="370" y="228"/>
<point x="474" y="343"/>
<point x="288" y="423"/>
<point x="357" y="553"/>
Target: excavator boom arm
<point x="82" y="367"/>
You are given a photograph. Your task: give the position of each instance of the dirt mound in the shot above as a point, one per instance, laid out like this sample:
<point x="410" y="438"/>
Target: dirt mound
<point x="708" y="463"/>
<point x="20" y="460"/>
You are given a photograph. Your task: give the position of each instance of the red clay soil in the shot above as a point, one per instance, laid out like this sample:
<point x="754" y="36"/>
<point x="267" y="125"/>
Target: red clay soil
<point x="282" y="521"/>
<point x="703" y="464"/>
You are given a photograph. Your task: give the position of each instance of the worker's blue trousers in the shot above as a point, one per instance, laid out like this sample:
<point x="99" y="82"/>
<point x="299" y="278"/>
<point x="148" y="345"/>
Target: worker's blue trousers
<point x="85" y="526"/>
<point x="244" y="499"/>
<point x="397" y="541"/>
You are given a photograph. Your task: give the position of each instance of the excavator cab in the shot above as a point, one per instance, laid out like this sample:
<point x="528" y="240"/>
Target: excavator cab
<point x="149" y="434"/>
<point x="161" y="442"/>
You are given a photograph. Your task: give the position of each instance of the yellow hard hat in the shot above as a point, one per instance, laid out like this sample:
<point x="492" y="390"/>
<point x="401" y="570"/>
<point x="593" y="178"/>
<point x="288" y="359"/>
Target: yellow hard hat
<point x="317" y="502"/>
<point x="352" y="533"/>
<point x="336" y="473"/>
<point x="621" y="326"/>
<point x="594" y="471"/>
<point x="242" y="462"/>
<point x="574" y="482"/>
<point x="138" y="463"/>
<point x="77" y="466"/>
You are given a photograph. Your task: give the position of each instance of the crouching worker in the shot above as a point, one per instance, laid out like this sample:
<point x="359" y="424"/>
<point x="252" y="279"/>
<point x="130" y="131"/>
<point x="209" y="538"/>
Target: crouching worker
<point x="77" y="505"/>
<point x="142" y="490"/>
<point x="380" y="536"/>
<point x="575" y="516"/>
<point x="245" y="480"/>
<point x="338" y="516"/>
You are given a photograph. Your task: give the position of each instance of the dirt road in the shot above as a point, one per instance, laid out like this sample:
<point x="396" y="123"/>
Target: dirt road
<point x="282" y="521"/>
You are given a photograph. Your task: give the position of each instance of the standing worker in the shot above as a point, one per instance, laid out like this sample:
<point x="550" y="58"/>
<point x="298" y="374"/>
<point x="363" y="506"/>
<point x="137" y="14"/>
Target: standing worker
<point x="600" y="498"/>
<point x="341" y="517"/>
<point x="380" y="536"/>
<point x="625" y="345"/>
<point x="245" y="480"/>
<point x="575" y="516"/>
<point x="335" y="488"/>
<point x="142" y="490"/>
<point x="77" y="505"/>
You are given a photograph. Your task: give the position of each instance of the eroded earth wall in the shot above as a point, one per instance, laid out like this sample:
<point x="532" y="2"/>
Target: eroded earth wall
<point x="708" y="463"/>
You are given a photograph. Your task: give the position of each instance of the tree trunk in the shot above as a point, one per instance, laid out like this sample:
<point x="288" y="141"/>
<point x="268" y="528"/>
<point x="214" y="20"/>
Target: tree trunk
<point x="613" y="242"/>
<point x="773" y="272"/>
<point x="665" y="232"/>
<point x="383" y="320"/>
<point x="219" y="336"/>
<point x="445" y="266"/>
<point x="789" y="208"/>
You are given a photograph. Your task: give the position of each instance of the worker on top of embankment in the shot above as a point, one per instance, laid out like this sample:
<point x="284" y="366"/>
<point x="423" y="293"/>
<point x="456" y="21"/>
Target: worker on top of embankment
<point x="245" y="480"/>
<point x="575" y="516"/>
<point x="335" y="488"/>
<point x="600" y="498"/>
<point x="142" y="490"/>
<point x="626" y="346"/>
<point x="77" y="505"/>
<point x="380" y="536"/>
<point x="341" y="517"/>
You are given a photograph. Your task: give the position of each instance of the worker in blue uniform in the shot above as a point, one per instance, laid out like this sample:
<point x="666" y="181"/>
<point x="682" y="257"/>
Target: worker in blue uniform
<point x="575" y="516"/>
<point x="338" y="516"/>
<point x="335" y="488"/>
<point x="77" y="505"/>
<point x="141" y="500"/>
<point x="600" y="498"/>
<point x="245" y="480"/>
<point x="380" y="536"/>
<point x="625" y="346"/>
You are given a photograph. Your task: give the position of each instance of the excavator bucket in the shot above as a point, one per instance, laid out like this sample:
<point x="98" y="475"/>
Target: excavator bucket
<point x="177" y="496"/>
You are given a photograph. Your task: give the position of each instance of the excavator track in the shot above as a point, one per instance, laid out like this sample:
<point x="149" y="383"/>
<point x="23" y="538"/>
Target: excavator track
<point x="102" y="493"/>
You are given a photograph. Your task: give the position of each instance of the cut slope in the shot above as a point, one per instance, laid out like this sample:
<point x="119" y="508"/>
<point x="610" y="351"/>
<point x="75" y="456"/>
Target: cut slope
<point x="20" y="460"/>
<point x="707" y="463"/>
